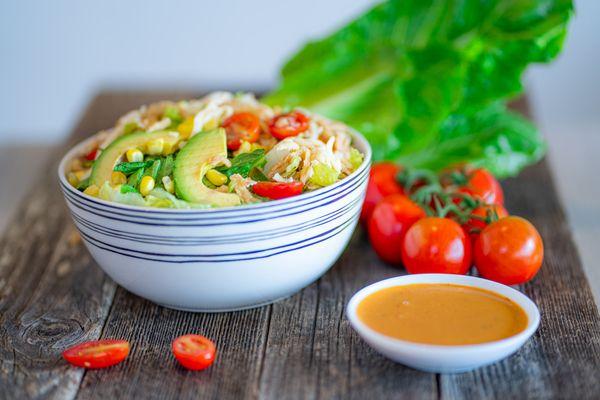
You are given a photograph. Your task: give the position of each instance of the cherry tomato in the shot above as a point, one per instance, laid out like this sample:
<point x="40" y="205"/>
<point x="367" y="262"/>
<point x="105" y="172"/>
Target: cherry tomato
<point x="277" y="190"/>
<point x="194" y="352"/>
<point x="389" y="222"/>
<point x="287" y="125"/>
<point x="97" y="353"/>
<point x="509" y="251"/>
<point x="482" y="184"/>
<point x="382" y="183"/>
<point x="482" y="211"/>
<point x="436" y="245"/>
<point x="241" y="126"/>
<point x="91" y="156"/>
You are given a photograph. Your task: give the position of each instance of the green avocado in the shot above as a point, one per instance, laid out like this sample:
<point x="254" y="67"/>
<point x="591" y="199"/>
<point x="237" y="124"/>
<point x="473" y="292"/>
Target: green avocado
<point x="193" y="161"/>
<point x="105" y="163"/>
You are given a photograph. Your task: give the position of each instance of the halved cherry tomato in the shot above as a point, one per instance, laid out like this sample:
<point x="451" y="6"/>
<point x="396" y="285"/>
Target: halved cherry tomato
<point x="287" y="125"/>
<point x="388" y="224"/>
<point x="97" y="353"/>
<point x="476" y="224"/>
<point x="509" y="251"/>
<point x="242" y="126"/>
<point x="91" y="156"/>
<point x="382" y="183"/>
<point x="194" y="352"/>
<point x="483" y="185"/>
<point x="436" y="245"/>
<point x="277" y="190"/>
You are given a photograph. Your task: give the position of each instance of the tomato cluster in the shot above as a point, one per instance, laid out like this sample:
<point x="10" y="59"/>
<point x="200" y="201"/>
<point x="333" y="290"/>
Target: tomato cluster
<point x="447" y="222"/>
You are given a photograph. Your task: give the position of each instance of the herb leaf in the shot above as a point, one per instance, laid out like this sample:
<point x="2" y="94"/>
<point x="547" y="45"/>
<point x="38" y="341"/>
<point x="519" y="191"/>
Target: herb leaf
<point x="130" y="167"/>
<point x="244" y="163"/>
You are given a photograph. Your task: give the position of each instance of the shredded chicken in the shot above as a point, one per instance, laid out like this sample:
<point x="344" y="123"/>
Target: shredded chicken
<point x="240" y="185"/>
<point x="160" y="125"/>
<point x="220" y="160"/>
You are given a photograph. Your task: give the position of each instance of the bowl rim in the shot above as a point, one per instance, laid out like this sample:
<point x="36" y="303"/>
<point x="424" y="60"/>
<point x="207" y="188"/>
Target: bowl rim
<point x="530" y="308"/>
<point x="357" y="139"/>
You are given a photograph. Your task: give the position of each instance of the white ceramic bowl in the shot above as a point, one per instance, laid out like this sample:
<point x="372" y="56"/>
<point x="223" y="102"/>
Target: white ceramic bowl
<point x="444" y="359"/>
<point x="220" y="259"/>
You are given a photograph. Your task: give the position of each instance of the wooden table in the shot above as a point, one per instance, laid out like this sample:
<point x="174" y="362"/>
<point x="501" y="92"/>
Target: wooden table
<point x="52" y="295"/>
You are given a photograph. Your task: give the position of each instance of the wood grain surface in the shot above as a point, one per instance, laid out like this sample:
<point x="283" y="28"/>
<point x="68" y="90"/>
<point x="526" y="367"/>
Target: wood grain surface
<point x="52" y="295"/>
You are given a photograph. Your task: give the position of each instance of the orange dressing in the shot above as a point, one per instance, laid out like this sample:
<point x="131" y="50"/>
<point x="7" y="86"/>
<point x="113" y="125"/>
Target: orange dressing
<point x="443" y="314"/>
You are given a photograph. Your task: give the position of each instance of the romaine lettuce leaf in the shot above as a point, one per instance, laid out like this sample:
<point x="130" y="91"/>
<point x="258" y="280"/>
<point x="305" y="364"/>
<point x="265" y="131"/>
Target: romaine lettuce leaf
<point x="407" y="71"/>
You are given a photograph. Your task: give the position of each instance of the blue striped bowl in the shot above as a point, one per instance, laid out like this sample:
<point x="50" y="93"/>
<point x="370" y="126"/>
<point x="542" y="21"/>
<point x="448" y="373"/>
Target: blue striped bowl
<point x="221" y="259"/>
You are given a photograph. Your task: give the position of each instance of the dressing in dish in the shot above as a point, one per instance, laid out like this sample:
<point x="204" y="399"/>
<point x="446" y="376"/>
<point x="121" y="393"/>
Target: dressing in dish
<point x="442" y="314"/>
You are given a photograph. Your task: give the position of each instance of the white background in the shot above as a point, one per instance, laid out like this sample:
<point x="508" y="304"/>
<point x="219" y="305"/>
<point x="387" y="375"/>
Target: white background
<point x="55" y="54"/>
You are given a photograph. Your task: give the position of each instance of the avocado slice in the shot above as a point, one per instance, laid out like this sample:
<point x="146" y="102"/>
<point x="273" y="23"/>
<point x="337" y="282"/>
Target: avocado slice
<point x="191" y="164"/>
<point x="104" y="165"/>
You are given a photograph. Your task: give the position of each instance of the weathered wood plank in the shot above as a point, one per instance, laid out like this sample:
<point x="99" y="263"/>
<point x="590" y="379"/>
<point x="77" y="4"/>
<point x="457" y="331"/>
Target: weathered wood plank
<point x="563" y="359"/>
<point x="312" y="352"/>
<point x="151" y="372"/>
<point x="51" y="293"/>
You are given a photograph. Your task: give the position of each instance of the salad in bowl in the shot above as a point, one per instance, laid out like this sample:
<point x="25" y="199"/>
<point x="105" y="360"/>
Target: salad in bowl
<point x="221" y="150"/>
<point x="217" y="204"/>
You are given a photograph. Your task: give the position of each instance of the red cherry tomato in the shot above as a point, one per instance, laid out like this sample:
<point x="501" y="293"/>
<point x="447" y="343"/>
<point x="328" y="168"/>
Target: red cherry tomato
<point x="509" y="251"/>
<point x="287" y="125"/>
<point x="479" y="224"/>
<point x="436" y="245"/>
<point x="194" y="352"/>
<point x="278" y="190"/>
<point x="97" y="353"/>
<point x="481" y="184"/>
<point x="382" y="183"/>
<point x="389" y="222"/>
<point x="241" y="126"/>
<point x="91" y="156"/>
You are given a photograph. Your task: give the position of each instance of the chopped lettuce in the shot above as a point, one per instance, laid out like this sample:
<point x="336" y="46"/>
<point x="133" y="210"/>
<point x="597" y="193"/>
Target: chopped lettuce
<point x="356" y="158"/>
<point x="323" y="175"/>
<point x="291" y="168"/>
<point x="420" y="78"/>
<point x="173" y="114"/>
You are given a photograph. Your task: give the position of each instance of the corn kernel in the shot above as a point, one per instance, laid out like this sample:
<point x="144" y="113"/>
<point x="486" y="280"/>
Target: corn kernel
<point x="216" y="178"/>
<point x="155" y="147"/>
<point x="211" y="124"/>
<point x="146" y="185"/>
<point x="92" y="190"/>
<point x="245" y="147"/>
<point x="169" y="148"/>
<point x="134" y="155"/>
<point x="117" y="178"/>
<point x="72" y="178"/>
<point x="186" y="127"/>
<point x="168" y="184"/>
<point x="83" y="174"/>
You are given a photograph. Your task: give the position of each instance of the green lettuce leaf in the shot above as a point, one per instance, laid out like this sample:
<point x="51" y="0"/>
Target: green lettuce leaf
<point x="405" y="72"/>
